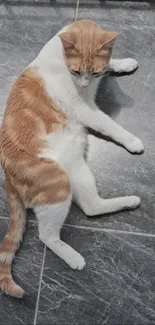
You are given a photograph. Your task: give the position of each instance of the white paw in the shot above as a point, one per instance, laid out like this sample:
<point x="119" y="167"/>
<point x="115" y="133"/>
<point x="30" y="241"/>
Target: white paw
<point x="126" y="65"/>
<point x="135" y="145"/>
<point x="132" y="202"/>
<point x="76" y="261"/>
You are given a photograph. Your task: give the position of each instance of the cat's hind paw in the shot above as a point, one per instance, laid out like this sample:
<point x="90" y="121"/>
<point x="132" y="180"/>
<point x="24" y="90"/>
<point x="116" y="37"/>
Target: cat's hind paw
<point x="76" y="262"/>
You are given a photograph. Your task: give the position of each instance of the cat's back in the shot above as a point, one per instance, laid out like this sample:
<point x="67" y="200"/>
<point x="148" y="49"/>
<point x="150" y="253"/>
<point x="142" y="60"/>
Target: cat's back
<point x="34" y="125"/>
<point x="29" y="116"/>
<point x="38" y="113"/>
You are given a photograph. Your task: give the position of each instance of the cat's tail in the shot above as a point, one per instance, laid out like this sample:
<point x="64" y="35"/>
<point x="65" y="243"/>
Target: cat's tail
<point x="11" y="243"/>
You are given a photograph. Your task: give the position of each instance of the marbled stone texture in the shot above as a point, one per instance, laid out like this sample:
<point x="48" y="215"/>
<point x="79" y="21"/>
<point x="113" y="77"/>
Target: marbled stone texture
<point x="118" y="284"/>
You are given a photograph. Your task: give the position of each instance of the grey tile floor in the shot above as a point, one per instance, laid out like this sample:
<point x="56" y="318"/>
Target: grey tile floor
<point x="118" y="284"/>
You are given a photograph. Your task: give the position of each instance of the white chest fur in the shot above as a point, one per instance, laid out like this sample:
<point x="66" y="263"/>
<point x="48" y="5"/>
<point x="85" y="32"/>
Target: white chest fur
<point x="65" y="146"/>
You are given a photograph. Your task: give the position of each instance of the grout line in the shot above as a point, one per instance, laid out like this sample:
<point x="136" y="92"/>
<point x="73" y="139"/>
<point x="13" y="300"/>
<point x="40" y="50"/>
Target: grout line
<point x="39" y="289"/>
<point x="111" y="230"/>
<point x="99" y="229"/>
<point x="77" y="9"/>
<point x="4" y="218"/>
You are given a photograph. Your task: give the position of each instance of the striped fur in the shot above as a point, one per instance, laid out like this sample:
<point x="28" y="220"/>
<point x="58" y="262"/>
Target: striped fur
<point x="11" y="242"/>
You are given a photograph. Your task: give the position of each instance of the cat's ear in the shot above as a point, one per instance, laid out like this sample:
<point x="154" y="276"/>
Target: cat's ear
<point x="108" y="39"/>
<point x="67" y="40"/>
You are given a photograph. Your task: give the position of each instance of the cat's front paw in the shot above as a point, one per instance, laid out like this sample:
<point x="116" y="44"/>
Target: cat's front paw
<point x="132" y="202"/>
<point x="135" y="145"/>
<point x="126" y="65"/>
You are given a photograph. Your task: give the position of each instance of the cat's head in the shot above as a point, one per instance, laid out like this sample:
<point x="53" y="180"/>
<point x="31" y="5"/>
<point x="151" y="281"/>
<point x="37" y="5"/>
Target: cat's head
<point x="87" y="50"/>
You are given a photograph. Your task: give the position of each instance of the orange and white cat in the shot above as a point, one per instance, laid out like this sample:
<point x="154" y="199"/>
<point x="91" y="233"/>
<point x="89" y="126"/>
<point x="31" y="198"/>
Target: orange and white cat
<point x="43" y="140"/>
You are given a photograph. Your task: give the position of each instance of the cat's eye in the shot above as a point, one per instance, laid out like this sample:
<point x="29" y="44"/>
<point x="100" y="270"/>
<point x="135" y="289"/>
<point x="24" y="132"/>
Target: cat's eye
<point x="96" y="74"/>
<point x="76" y="72"/>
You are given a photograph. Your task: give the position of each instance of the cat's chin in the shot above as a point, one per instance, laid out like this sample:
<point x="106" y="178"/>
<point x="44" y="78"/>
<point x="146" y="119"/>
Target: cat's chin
<point x="82" y="86"/>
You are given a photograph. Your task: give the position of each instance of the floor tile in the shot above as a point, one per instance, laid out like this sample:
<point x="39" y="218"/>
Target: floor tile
<point x="116" y="286"/>
<point x="122" y="13"/>
<point x="26" y="272"/>
<point x="130" y="101"/>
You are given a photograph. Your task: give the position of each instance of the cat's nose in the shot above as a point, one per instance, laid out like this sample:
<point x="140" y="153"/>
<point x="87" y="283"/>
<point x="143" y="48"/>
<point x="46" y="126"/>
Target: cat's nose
<point x="84" y="81"/>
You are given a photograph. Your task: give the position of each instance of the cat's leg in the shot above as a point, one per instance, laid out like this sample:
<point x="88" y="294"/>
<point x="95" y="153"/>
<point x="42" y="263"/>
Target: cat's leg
<point x="124" y="65"/>
<point x="51" y="218"/>
<point x="86" y="195"/>
<point x="91" y="116"/>
<point x="50" y="195"/>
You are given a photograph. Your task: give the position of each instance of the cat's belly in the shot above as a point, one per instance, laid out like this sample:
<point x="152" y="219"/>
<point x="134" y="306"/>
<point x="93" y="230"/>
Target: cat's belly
<point x="66" y="146"/>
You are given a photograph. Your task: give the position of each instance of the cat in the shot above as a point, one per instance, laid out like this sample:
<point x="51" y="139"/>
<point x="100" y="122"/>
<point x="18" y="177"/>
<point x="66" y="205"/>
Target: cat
<point x="43" y="140"/>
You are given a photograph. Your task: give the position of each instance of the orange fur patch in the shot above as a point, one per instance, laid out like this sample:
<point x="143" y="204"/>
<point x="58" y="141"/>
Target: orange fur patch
<point x="30" y="115"/>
